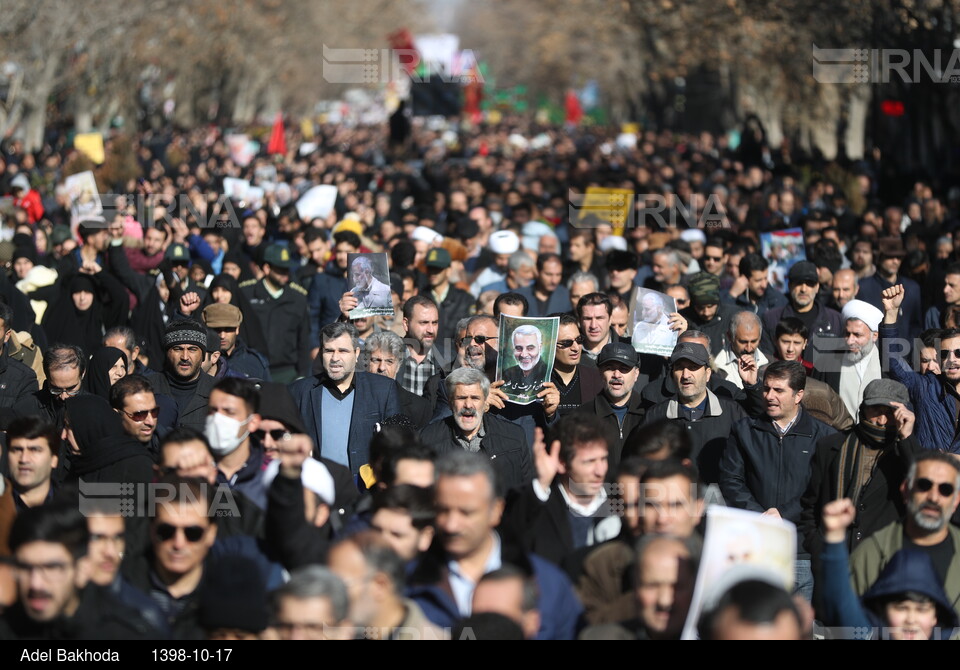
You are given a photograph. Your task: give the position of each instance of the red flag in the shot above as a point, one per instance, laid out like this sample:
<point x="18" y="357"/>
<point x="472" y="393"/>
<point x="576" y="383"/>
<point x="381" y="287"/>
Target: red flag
<point x="574" y="110"/>
<point x="278" y="140"/>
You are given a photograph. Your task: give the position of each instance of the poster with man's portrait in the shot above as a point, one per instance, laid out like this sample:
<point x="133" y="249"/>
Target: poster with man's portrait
<point x="368" y="277"/>
<point x="84" y="197"/>
<point x="527" y="348"/>
<point x="740" y="544"/>
<point x="782" y="249"/>
<point x="651" y="323"/>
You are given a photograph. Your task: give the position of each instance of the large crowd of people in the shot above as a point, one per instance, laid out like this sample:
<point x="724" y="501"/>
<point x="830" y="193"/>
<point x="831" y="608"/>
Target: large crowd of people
<point x="282" y="471"/>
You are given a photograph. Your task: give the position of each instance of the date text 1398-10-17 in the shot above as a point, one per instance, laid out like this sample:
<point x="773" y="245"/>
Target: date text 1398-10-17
<point x="201" y="654"/>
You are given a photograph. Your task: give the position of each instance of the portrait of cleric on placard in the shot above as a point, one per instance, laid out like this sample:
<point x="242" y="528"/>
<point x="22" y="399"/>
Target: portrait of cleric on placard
<point x="368" y="277"/>
<point x="527" y="348"/>
<point x="651" y="323"/>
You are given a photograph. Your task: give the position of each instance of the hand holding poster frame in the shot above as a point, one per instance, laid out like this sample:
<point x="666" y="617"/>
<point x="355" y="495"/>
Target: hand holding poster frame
<point x="368" y="276"/>
<point x="651" y="326"/>
<point x="527" y="348"/>
<point x="740" y="544"/>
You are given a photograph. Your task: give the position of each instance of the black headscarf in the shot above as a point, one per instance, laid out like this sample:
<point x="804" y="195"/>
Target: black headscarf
<point x="99" y="435"/>
<point x="250" y="330"/>
<point x="97" y="380"/>
<point x="64" y="323"/>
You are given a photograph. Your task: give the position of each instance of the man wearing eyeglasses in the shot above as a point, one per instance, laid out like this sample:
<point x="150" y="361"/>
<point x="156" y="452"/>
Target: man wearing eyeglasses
<point x="802" y="303"/>
<point x="50" y="549"/>
<point x="934" y="397"/>
<point x="931" y="492"/>
<point x="64" y="366"/>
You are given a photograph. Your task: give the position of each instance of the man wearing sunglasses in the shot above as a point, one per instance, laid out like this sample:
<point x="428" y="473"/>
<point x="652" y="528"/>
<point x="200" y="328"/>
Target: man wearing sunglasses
<point x="930" y="494"/>
<point x="934" y="397"/>
<point x="820" y="320"/>
<point x="134" y="400"/>
<point x="181" y="534"/>
<point x="577" y="384"/>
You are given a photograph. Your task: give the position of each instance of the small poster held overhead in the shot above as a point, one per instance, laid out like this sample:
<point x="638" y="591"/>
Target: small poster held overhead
<point x="317" y="203"/>
<point x="651" y="325"/>
<point x="782" y="249"/>
<point x="84" y="197"/>
<point x="526" y="352"/>
<point x="369" y="277"/>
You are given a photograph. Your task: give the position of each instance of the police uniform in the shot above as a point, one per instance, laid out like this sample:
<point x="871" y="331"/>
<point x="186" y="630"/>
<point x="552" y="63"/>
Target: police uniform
<point x="285" y="320"/>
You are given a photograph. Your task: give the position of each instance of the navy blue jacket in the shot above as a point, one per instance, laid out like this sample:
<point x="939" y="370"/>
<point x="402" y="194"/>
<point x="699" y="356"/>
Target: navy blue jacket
<point x="560" y="611"/>
<point x="375" y="399"/>
<point x="323" y="301"/>
<point x="908" y="570"/>
<point x="559" y="301"/>
<point x="249" y="363"/>
<point x="935" y="407"/>
<point x="911" y="315"/>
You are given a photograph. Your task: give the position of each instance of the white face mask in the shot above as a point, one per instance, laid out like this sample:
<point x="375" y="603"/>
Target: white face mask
<point x="222" y="431"/>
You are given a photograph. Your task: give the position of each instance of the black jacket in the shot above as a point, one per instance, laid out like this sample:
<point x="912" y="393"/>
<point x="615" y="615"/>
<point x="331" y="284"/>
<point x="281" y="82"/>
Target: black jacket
<point x="294" y="542"/>
<point x="633" y="418"/>
<point x="17" y="381"/>
<point x="418" y="408"/>
<point x="664" y="388"/>
<point x="761" y="470"/>
<point x="194" y="414"/>
<point x="880" y="502"/>
<point x="100" y="616"/>
<point x="285" y="322"/>
<point x="454" y="307"/>
<point x="504" y="443"/>
<point x="543" y="528"/>
<point x="708" y="436"/>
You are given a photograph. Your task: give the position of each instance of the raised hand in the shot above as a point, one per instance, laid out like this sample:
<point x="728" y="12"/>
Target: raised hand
<point x="747" y="369"/>
<point x="905" y="419"/>
<point x="837" y="517"/>
<point x="546" y="462"/>
<point x="892" y="298"/>
<point x="551" y="398"/>
<point x="293" y="453"/>
<point x="189" y="302"/>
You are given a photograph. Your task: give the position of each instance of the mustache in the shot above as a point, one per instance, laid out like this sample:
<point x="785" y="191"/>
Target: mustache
<point x="33" y="593"/>
<point x="467" y="411"/>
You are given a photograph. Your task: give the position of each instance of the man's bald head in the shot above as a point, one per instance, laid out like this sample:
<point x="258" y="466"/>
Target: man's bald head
<point x="845" y="286"/>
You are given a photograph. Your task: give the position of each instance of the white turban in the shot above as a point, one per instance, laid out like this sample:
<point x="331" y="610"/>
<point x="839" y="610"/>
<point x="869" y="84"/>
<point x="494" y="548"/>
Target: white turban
<point x="858" y="309"/>
<point x="504" y="242"/>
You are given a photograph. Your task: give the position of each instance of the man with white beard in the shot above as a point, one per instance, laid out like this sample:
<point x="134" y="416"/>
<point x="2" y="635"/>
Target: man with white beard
<point x="860" y="364"/>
